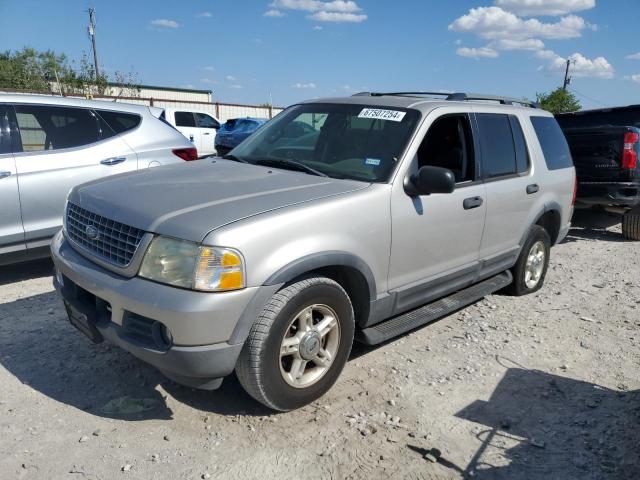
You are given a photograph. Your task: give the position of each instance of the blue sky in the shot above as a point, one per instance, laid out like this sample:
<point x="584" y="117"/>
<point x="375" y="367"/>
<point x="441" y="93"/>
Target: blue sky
<point x="245" y="50"/>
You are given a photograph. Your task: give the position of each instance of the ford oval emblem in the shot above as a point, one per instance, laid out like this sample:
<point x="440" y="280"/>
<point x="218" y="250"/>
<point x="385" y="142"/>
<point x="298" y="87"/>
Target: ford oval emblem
<point x="92" y="233"/>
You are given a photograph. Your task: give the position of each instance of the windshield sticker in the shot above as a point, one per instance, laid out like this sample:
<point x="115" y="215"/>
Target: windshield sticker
<point x="379" y="114"/>
<point x="372" y="161"/>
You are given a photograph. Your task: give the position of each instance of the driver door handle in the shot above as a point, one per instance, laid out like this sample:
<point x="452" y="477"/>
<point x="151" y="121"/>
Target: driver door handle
<point x="206" y="133"/>
<point x="472" y="202"/>
<point x="113" y="160"/>
<point x="5" y="174"/>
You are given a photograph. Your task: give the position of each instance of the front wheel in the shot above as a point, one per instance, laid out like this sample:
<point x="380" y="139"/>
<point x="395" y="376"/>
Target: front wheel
<point x="530" y="270"/>
<point x="299" y="344"/>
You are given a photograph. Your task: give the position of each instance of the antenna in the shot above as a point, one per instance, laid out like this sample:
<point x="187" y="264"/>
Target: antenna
<point x="92" y="34"/>
<point x="567" y="78"/>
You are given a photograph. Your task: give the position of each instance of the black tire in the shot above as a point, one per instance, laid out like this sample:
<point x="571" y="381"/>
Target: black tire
<point x="519" y="286"/>
<point x="258" y="367"/>
<point x="631" y="224"/>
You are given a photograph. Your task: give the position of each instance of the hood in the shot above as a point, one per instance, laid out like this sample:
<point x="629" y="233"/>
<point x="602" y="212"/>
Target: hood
<point x="188" y="200"/>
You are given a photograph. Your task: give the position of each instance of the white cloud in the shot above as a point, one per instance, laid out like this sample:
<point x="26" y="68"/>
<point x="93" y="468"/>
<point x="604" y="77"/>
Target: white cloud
<point x="208" y="81"/>
<point x="483" y="52"/>
<point x="164" y="23"/>
<point x="273" y="13"/>
<point x="545" y="7"/>
<point x="317" y="28"/>
<point x="634" y="56"/>
<point x="231" y="78"/>
<point x="581" y="66"/>
<point x="317" y="6"/>
<point x="532" y="44"/>
<point x="633" y="78"/>
<point x="494" y="23"/>
<point x="338" y="17"/>
<point x="346" y="11"/>
<point x="205" y="15"/>
<point x="208" y="68"/>
<point x="546" y="54"/>
<point x="235" y="87"/>
<point x="304" y="86"/>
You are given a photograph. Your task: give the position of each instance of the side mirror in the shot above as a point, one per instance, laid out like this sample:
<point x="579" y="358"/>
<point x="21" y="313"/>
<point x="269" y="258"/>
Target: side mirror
<point x="430" y="180"/>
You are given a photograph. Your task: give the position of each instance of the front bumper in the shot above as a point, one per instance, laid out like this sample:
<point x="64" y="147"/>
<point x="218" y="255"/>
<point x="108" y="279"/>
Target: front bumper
<point x="626" y="194"/>
<point x="189" y="336"/>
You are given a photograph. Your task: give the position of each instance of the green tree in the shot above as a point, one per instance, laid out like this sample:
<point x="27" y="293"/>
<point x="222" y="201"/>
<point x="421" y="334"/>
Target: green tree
<point x="559" y="101"/>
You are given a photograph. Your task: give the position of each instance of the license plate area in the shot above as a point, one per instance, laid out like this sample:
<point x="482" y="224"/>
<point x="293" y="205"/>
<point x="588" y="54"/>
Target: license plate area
<point x="84" y="319"/>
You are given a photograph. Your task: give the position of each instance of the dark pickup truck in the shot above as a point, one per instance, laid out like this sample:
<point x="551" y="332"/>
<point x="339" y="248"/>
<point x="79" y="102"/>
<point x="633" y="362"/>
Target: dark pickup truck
<point x="605" y="146"/>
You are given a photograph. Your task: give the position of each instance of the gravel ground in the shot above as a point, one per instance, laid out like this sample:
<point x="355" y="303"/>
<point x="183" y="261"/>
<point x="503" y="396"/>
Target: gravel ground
<point x="544" y="386"/>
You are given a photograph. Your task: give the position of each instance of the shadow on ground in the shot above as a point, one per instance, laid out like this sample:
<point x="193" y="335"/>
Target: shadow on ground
<point x="25" y="271"/>
<point x="594" y="225"/>
<point x="537" y="425"/>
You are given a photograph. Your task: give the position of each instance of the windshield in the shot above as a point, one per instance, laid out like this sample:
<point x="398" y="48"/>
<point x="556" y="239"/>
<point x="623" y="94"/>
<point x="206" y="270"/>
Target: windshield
<point x="356" y="142"/>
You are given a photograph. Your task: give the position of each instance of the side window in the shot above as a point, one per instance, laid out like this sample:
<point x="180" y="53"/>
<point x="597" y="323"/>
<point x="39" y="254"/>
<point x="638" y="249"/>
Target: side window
<point x="449" y="144"/>
<point x="54" y="128"/>
<point x="6" y="133"/>
<point x="206" y="121"/>
<point x="497" y="144"/>
<point x="553" y="142"/>
<point x="185" y="119"/>
<point x="522" y="152"/>
<point x="120" y="122"/>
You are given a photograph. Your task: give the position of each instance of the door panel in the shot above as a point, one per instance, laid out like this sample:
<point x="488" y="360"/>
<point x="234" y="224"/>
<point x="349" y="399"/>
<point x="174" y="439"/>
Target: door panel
<point x="207" y="128"/>
<point x="46" y="173"/>
<point x="185" y="122"/>
<point x="11" y="230"/>
<point x="436" y="238"/>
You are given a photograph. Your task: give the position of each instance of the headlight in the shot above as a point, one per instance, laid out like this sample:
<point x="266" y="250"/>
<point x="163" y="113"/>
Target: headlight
<point x="189" y="265"/>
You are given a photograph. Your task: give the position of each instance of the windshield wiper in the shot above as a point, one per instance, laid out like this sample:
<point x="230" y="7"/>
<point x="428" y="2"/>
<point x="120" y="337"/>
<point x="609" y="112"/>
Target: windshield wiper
<point x="290" y="164"/>
<point x="234" y="158"/>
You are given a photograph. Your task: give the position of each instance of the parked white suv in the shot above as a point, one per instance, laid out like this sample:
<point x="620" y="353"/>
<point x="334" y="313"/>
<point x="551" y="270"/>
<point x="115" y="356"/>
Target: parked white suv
<point x="50" y="144"/>
<point x="198" y="126"/>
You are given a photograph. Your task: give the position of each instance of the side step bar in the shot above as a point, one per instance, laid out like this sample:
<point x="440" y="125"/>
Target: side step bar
<point x="433" y="311"/>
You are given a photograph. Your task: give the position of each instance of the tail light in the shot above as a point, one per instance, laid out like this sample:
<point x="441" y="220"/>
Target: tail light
<point x="186" y="154"/>
<point x="629" y="154"/>
<point x="575" y="191"/>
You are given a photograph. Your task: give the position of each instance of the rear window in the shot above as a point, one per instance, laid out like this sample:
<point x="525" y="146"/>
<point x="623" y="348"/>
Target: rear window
<point x="185" y="119"/>
<point x="120" y="122"/>
<point x="553" y="142"/>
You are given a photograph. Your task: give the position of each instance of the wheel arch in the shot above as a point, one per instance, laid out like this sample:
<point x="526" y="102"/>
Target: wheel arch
<point x="550" y="219"/>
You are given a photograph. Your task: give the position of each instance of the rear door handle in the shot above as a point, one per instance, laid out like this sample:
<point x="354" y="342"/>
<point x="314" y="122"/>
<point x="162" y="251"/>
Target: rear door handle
<point x="113" y="160"/>
<point x="206" y="133"/>
<point x="5" y="174"/>
<point x="472" y="202"/>
<point x="533" y="188"/>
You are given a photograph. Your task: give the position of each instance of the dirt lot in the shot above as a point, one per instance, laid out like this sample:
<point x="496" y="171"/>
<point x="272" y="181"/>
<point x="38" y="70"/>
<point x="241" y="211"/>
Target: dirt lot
<point x="545" y="386"/>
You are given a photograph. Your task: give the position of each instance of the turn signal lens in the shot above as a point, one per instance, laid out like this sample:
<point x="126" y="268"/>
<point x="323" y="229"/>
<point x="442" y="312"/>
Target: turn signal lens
<point x="219" y="269"/>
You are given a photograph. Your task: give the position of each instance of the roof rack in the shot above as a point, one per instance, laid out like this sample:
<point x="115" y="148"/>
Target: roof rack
<point x="457" y="96"/>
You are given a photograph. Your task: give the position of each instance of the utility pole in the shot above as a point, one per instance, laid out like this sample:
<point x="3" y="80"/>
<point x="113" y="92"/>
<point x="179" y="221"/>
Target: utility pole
<point x="92" y="35"/>
<point x="567" y="78"/>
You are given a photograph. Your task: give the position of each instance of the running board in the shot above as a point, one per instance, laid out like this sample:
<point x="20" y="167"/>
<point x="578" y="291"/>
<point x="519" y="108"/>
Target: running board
<point x="433" y="311"/>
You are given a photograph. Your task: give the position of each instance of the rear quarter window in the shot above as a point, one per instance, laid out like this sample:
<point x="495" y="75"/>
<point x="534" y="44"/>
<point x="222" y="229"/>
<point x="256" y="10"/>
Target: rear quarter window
<point x="553" y="142"/>
<point x="120" y="122"/>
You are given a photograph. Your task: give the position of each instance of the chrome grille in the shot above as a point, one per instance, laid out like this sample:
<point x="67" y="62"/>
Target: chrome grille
<point x="116" y="242"/>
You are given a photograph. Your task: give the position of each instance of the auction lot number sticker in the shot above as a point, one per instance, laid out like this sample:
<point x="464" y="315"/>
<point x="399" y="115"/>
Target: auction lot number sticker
<point x="380" y="114"/>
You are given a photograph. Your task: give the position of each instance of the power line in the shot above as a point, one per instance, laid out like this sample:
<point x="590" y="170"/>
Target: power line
<point x="587" y="97"/>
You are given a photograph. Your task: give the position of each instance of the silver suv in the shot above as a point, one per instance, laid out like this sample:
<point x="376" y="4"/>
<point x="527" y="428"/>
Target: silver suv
<point x="388" y="212"/>
<point x="50" y="144"/>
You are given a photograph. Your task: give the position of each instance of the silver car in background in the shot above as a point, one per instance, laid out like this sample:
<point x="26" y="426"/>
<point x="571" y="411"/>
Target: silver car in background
<point x="50" y="144"/>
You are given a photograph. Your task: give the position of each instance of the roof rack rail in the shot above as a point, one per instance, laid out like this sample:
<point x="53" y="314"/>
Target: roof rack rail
<point x="457" y="96"/>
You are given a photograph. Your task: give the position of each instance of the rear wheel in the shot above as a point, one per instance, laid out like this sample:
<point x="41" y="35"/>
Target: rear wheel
<point x="631" y="224"/>
<point x="531" y="268"/>
<point x="299" y="344"/>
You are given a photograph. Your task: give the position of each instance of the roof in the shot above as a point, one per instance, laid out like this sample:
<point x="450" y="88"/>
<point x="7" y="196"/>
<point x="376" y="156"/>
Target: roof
<point x="167" y="89"/>
<point x="424" y="104"/>
<point x="600" y="110"/>
<point x="72" y="102"/>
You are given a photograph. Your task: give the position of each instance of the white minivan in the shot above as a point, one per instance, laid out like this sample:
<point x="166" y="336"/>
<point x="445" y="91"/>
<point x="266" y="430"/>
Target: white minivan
<point x="198" y="126"/>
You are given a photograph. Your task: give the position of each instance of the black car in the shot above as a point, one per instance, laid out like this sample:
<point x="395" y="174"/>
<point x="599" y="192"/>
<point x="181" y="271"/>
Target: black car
<point x="605" y="145"/>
